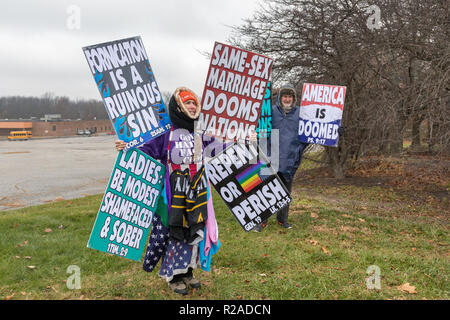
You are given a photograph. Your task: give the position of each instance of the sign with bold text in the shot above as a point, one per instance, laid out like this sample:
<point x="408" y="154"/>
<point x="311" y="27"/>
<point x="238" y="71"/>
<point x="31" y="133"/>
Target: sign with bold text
<point x="234" y="91"/>
<point x="264" y="128"/>
<point x="127" y="85"/>
<point x="244" y="179"/>
<point x="125" y="215"/>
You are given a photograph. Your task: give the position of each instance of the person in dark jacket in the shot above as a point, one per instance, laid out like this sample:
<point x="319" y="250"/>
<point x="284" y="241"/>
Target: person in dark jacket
<point x="285" y="119"/>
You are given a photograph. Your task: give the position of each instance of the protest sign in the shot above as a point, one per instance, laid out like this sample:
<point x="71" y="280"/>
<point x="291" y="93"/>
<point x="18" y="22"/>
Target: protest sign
<point x="321" y="113"/>
<point x="265" y="119"/>
<point x="233" y="94"/>
<point x="130" y="200"/>
<point x="127" y="85"/>
<point x="251" y="189"/>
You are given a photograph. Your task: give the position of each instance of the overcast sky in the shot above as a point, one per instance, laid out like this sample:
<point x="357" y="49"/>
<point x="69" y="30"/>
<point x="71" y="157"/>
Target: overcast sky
<point x="41" y="40"/>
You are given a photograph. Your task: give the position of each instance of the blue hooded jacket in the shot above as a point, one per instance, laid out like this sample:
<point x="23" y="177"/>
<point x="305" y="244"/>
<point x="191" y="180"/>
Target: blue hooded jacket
<point x="290" y="147"/>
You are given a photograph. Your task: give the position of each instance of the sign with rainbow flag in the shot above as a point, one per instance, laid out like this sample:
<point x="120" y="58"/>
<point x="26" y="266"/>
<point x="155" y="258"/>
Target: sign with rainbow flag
<point x="245" y="180"/>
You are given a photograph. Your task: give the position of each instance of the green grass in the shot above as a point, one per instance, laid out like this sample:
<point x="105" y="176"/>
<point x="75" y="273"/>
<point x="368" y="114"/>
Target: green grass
<point x="325" y="256"/>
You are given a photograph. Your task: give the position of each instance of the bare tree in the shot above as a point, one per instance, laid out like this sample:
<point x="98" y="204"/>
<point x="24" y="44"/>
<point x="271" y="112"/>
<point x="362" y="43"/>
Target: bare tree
<point x="384" y="68"/>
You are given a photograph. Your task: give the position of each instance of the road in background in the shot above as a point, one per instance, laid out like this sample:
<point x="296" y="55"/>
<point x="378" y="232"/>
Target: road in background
<point x="39" y="171"/>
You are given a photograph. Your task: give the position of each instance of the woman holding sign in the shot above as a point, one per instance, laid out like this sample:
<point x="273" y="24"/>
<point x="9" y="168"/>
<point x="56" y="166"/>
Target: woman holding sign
<point x="184" y="232"/>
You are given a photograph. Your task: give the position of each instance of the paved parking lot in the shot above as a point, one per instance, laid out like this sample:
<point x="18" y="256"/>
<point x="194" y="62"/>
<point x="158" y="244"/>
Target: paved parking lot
<point x="38" y="171"/>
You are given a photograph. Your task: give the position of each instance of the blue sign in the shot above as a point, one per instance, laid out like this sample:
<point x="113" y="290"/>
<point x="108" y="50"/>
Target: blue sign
<point x="265" y="118"/>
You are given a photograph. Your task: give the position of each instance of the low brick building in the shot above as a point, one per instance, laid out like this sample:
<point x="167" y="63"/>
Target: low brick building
<point x="19" y="125"/>
<point x="70" y="128"/>
<point x="59" y="128"/>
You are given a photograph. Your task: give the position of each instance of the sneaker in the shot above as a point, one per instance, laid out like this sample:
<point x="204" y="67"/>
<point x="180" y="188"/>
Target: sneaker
<point x="257" y="228"/>
<point x="178" y="287"/>
<point x="285" y="225"/>
<point x="263" y="224"/>
<point x="192" y="282"/>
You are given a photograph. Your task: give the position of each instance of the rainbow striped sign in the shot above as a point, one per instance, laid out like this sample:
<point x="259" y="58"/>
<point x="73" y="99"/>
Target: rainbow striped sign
<point x="249" y="178"/>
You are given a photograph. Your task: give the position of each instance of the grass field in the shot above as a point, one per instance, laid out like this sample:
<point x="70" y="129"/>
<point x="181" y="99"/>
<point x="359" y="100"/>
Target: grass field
<point x="340" y="231"/>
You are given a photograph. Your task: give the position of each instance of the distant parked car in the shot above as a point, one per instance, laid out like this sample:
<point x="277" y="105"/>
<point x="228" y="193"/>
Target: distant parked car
<point x="86" y="132"/>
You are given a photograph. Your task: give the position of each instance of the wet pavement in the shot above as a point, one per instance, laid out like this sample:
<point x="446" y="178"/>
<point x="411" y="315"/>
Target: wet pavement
<point x="39" y="171"/>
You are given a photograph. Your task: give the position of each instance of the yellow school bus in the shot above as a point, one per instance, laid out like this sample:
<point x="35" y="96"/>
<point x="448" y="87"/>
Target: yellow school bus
<point x="20" y="135"/>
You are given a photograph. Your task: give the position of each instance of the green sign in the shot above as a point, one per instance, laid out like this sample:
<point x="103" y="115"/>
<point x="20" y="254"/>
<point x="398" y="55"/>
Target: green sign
<point x="130" y="200"/>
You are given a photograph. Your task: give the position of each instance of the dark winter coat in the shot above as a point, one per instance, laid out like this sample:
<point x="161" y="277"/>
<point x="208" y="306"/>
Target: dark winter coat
<point x="290" y="147"/>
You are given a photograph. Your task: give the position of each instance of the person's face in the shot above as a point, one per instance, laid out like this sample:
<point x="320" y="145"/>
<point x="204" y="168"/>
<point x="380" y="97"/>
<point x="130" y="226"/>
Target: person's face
<point x="191" y="107"/>
<point x="287" y="100"/>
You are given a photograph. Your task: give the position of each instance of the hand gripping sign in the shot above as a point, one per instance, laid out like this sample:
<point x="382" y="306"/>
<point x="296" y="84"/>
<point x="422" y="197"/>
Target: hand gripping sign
<point x="251" y="189"/>
<point x="130" y="200"/>
<point x="234" y="91"/>
<point x="127" y="85"/>
<point x="321" y="113"/>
